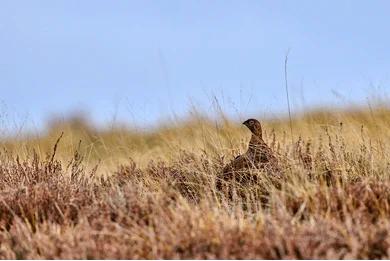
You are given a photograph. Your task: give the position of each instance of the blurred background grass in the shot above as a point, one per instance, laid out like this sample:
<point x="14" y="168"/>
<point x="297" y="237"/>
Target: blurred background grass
<point x="196" y="133"/>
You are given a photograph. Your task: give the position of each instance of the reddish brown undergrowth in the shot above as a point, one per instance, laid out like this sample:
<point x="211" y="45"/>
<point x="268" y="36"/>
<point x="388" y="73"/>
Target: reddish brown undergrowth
<point x="332" y="202"/>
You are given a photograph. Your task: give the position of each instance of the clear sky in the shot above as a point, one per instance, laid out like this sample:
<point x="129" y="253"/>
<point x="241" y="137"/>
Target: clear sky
<point x="144" y="60"/>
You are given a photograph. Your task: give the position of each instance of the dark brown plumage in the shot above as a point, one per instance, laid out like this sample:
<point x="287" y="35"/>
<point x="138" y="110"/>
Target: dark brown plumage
<point x="258" y="156"/>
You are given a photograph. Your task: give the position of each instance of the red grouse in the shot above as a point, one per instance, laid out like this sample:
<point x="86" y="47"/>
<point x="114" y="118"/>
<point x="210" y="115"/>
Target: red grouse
<point x="258" y="156"/>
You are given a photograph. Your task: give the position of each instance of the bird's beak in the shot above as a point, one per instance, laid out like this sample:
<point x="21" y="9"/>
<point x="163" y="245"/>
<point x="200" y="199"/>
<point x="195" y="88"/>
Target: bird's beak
<point x="245" y="123"/>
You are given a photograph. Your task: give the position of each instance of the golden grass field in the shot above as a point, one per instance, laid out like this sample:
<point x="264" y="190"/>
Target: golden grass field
<point x="133" y="194"/>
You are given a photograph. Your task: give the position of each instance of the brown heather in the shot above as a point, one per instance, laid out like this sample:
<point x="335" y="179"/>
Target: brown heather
<point x="151" y="195"/>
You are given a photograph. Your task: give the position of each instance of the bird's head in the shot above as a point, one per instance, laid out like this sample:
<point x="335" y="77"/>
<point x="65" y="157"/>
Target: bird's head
<point x="254" y="126"/>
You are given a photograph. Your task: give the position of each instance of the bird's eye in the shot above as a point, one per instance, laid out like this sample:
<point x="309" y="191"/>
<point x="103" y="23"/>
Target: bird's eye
<point x="251" y="122"/>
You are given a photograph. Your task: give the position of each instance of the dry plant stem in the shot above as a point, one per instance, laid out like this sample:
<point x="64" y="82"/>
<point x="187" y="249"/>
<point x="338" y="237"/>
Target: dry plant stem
<point x="287" y="94"/>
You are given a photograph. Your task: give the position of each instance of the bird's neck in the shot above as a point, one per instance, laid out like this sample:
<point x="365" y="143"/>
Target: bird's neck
<point x="256" y="140"/>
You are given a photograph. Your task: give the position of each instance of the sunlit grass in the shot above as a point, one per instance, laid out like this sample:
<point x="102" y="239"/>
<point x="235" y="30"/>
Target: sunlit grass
<point x="125" y="193"/>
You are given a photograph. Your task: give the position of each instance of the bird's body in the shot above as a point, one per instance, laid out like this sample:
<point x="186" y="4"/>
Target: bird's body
<point x="257" y="156"/>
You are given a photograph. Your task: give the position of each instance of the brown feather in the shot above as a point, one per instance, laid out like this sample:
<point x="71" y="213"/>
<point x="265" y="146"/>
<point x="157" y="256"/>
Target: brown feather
<point x="258" y="156"/>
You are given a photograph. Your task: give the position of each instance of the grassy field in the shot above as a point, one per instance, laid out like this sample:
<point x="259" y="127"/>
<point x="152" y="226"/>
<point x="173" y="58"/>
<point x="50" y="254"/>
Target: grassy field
<point x="125" y="193"/>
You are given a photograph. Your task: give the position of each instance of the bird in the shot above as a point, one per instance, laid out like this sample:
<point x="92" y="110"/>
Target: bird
<point x="258" y="156"/>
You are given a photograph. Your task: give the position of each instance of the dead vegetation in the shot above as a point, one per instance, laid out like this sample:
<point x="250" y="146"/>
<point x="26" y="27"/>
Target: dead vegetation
<point x="123" y="194"/>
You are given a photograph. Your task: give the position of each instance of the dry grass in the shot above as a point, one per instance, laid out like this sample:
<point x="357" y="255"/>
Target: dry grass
<point x="129" y="194"/>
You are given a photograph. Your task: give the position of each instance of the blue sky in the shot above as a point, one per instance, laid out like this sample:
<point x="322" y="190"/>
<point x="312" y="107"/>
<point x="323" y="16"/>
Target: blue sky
<point x="142" y="61"/>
